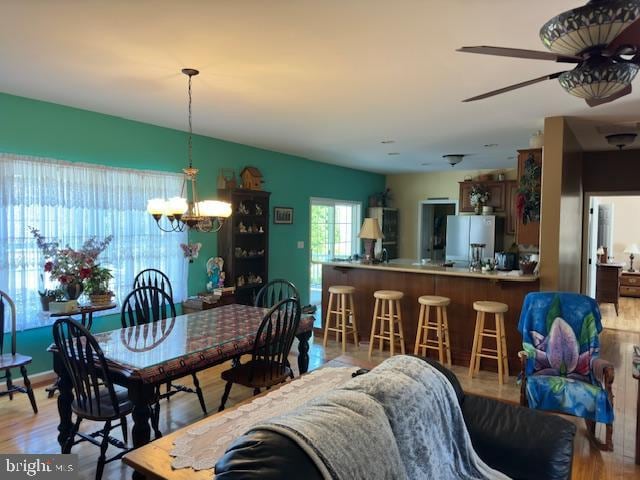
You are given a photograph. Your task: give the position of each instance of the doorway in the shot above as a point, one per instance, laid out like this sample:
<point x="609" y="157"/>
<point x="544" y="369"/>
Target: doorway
<point x="432" y="228"/>
<point x="611" y="235"/>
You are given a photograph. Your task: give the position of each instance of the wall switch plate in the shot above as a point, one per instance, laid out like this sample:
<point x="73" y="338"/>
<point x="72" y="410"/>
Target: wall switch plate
<point x="300" y="244"/>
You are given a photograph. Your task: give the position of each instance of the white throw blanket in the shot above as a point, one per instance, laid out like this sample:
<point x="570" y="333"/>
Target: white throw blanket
<point x="399" y="421"/>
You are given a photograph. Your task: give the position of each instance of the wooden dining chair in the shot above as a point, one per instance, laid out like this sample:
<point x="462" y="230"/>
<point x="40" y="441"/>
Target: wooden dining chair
<point x="13" y="359"/>
<point x="268" y="365"/>
<point x="151" y="304"/>
<point x="96" y="398"/>
<point x="151" y="277"/>
<point x="274" y="292"/>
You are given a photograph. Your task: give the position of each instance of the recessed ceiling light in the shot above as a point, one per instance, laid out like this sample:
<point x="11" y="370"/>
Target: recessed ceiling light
<point x="385" y="142"/>
<point x="490" y="145"/>
<point x="425" y="164"/>
<point x="511" y="158"/>
<point x="393" y="153"/>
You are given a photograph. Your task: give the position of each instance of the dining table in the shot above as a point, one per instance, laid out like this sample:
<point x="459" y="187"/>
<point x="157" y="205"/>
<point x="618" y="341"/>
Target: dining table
<point x="142" y="357"/>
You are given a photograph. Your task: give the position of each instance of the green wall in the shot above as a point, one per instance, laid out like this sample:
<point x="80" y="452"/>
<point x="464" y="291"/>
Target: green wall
<point x="32" y="127"/>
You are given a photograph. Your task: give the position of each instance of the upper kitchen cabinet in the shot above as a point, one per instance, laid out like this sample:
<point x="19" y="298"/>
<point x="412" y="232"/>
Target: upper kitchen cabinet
<point x="528" y="197"/>
<point x="497" y="195"/>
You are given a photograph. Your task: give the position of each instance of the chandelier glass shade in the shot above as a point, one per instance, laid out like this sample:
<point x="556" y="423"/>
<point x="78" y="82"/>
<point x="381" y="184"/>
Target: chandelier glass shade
<point x="598" y="81"/>
<point x="186" y="211"/>
<point x="593" y="25"/>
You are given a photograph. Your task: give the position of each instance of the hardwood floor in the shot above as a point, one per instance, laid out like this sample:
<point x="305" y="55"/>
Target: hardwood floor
<point x="22" y="431"/>
<point x="628" y="317"/>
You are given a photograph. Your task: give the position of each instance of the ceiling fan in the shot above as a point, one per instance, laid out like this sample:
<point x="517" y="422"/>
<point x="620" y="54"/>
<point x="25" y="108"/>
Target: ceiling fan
<point x="601" y="37"/>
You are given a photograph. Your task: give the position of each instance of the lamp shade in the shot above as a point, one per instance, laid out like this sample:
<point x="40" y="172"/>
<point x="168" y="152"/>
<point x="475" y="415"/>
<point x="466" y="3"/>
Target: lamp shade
<point x="370" y="229"/>
<point x="214" y="208"/>
<point x="156" y="206"/>
<point x="632" y="249"/>
<point x="600" y="251"/>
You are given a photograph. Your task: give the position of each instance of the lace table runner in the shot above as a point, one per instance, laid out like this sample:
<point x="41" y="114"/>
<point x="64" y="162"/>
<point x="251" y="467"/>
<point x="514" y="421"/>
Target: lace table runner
<point x="201" y="447"/>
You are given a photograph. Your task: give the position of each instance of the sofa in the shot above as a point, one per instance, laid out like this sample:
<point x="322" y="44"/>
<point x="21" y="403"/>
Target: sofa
<point x="520" y="442"/>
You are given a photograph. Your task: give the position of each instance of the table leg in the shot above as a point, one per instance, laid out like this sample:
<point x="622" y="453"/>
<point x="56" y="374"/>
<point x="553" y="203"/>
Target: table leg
<point x="64" y="401"/>
<point x="139" y="394"/>
<point x="303" y="351"/>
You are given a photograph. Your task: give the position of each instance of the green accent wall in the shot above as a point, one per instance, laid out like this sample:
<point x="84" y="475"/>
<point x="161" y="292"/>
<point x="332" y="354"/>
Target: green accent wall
<point x="31" y="127"/>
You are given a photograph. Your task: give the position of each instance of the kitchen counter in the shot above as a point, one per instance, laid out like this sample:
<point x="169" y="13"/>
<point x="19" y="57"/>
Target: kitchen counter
<point x="412" y="266"/>
<point x="458" y="284"/>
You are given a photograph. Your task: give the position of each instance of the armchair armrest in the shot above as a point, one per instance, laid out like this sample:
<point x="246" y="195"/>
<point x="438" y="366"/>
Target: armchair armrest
<point x="522" y="355"/>
<point x="604" y="372"/>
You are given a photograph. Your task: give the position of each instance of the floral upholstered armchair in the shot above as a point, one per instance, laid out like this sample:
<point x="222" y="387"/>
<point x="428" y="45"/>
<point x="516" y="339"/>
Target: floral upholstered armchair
<point x="561" y="368"/>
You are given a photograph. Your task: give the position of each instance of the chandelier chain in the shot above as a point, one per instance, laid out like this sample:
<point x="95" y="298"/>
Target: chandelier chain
<point x="190" y="128"/>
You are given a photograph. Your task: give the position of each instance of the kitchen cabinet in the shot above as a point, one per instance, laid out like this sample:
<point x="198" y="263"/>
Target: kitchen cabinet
<point x="511" y="210"/>
<point x="528" y="233"/>
<point x="497" y="195"/>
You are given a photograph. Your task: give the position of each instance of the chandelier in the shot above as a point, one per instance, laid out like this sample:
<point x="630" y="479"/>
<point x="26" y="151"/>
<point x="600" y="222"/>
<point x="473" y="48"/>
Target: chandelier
<point x="182" y="213"/>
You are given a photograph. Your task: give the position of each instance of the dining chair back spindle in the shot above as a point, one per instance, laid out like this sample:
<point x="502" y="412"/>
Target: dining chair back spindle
<point x="14" y="359"/>
<point x="152" y="277"/>
<point x="274" y="292"/>
<point x="95" y="396"/>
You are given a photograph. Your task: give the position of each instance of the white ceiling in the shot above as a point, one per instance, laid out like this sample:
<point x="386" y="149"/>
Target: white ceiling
<point x="323" y="79"/>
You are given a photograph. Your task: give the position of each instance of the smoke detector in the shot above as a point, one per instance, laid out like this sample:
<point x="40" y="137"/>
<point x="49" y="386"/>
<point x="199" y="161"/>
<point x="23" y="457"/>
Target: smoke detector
<point x="454" y="158"/>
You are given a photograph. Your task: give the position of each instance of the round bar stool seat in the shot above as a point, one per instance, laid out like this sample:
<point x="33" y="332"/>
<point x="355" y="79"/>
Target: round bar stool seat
<point x="490" y="307"/>
<point x="434" y="301"/>
<point x="343" y="315"/>
<point x="342" y="289"/>
<point x="438" y="325"/>
<point x="479" y="351"/>
<point x="387" y="310"/>
<point x="388" y="295"/>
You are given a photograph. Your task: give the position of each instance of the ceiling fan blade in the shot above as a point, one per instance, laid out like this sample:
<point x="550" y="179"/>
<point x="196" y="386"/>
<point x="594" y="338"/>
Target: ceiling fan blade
<point x="514" y="87"/>
<point x="521" y="53"/>
<point x="600" y="101"/>
<point x="628" y="36"/>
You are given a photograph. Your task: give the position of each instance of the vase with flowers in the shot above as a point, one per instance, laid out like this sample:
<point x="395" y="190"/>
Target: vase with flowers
<point x="69" y="267"/>
<point x="478" y="197"/>
<point x="96" y="285"/>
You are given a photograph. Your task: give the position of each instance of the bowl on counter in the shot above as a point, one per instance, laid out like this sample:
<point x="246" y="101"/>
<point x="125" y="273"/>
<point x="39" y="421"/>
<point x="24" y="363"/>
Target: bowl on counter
<point x="528" y="266"/>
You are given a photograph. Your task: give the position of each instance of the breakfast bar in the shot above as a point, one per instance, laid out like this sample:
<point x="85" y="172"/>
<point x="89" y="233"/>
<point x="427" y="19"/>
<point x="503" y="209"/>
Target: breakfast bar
<point x="414" y="279"/>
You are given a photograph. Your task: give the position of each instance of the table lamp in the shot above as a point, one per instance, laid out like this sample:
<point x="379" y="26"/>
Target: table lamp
<point x="602" y="255"/>
<point x="632" y="250"/>
<point x="370" y="232"/>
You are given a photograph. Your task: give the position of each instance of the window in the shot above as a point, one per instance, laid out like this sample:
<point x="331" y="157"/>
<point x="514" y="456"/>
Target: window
<point x="334" y="234"/>
<point x="71" y="202"/>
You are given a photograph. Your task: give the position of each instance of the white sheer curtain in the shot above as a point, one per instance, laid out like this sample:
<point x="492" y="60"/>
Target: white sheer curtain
<point x="71" y="202"/>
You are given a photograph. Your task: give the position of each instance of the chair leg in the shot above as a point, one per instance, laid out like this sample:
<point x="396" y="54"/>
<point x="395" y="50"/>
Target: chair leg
<point x="288" y="364"/>
<point x="225" y="395"/>
<point x="155" y="420"/>
<point x="440" y="339"/>
<point x="9" y="384"/>
<point x="474" y="348"/>
<point x="609" y="439"/>
<point x="196" y="383"/>
<point x="480" y="340"/>
<point x="103" y="449"/>
<point x="27" y="384"/>
<point x="373" y="328"/>
<point x="383" y="310"/>
<point x="416" y="348"/>
<point x="500" y="353"/>
<point x="343" y="315"/>
<point x="392" y="327"/>
<point x="327" y="320"/>
<point x="125" y="431"/>
<point x="353" y="321"/>
<point x="66" y="448"/>
<point x="400" y="326"/>
<point x="446" y="335"/>
<point x="168" y="390"/>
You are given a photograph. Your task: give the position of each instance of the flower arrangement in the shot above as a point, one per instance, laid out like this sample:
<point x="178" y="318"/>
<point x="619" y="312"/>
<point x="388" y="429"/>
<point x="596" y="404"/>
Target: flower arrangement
<point x="478" y="196"/>
<point x="191" y="250"/>
<point x="98" y="282"/>
<point x="69" y="266"/>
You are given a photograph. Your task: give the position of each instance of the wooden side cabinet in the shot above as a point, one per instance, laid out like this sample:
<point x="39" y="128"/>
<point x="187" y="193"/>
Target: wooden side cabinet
<point x="608" y="283"/>
<point x="630" y="284"/>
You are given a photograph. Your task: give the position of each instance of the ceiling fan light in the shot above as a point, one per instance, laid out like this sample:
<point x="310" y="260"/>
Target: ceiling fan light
<point x="621" y="140"/>
<point x="595" y="24"/>
<point x="600" y="81"/>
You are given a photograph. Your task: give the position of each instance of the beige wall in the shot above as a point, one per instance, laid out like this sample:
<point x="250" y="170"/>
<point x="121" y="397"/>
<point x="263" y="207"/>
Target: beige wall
<point x="561" y="211"/>
<point x="408" y="189"/>
<point x="626" y="229"/>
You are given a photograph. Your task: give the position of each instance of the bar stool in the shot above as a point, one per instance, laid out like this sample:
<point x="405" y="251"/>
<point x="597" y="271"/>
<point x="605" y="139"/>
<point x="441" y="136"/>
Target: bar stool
<point x="387" y="310"/>
<point x="440" y="326"/>
<point x="344" y="315"/>
<point x="478" y="351"/>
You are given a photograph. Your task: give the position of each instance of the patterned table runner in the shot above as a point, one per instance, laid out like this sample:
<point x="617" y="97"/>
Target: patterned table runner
<point x="201" y="447"/>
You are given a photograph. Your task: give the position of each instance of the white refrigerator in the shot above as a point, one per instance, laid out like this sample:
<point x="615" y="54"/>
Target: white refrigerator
<point x="463" y="230"/>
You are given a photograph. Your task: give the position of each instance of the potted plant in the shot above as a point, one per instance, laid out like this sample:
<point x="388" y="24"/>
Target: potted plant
<point x="96" y="285"/>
